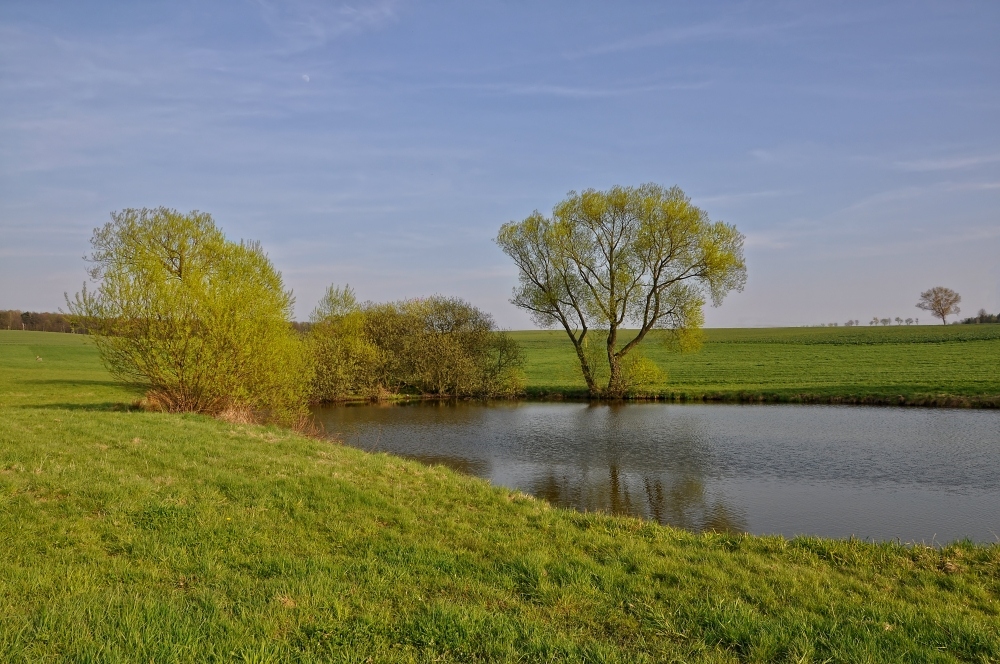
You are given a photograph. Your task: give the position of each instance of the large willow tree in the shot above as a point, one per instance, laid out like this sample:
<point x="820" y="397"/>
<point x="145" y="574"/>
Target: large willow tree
<point x="199" y="321"/>
<point x="630" y="256"/>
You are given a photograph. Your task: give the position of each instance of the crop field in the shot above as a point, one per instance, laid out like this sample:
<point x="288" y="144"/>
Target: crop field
<point x="933" y="365"/>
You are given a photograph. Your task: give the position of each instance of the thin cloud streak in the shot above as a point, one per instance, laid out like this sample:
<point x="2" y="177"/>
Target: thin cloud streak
<point x="303" y="25"/>
<point x="713" y="31"/>
<point x="947" y="163"/>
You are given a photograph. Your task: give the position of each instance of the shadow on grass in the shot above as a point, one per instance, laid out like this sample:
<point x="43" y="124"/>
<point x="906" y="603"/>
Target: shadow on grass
<point x="104" y="406"/>
<point x="69" y="382"/>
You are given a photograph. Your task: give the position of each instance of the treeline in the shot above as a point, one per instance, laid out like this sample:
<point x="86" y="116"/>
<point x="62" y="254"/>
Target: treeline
<point x="982" y="317"/>
<point x="14" y="319"/>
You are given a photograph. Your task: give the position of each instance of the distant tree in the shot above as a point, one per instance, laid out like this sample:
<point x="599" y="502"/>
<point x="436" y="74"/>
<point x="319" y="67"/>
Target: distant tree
<point x="940" y="301"/>
<point x="201" y="322"/>
<point x="983" y="317"/>
<point x="899" y="321"/>
<point x="885" y="321"/>
<point x="909" y="321"/>
<point x="641" y="256"/>
<point x="873" y="321"/>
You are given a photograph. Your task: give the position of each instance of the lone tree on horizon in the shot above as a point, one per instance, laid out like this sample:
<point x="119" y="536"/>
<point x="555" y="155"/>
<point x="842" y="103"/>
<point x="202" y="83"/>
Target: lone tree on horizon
<point x="940" y="301"/>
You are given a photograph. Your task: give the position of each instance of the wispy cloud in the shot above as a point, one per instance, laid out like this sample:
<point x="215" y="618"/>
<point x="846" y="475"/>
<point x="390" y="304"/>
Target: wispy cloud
<point x="712" y="31"/>
<point x="305" y="24"/>
<point x="578" y="92"/>
<point x="947" y="163"/>
<point x="737" y="197"/>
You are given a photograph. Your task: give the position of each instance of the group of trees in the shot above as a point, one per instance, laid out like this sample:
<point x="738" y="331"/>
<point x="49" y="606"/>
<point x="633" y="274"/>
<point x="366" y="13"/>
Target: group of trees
<point x="13" y="319"/>
<point x="889" y="321"/>
<point x="982" y="317"/>
<point x="940" y="301"/>
<point x="204" y="324"/>
<point x="437" y="346"/>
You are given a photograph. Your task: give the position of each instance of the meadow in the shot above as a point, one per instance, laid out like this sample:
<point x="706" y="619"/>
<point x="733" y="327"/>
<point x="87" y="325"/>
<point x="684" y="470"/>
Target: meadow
<point x="137" y="536"/>
<point x="951" y="365"/>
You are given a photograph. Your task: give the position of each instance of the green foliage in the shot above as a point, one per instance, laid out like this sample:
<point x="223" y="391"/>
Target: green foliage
<point x="444" y="347"/>
<point x="201" y="322"/>
<point x="347" y="362"/>
<point x="141" y="536"/>
<point x="629" y="255"/>
<point x="434" y="346"/>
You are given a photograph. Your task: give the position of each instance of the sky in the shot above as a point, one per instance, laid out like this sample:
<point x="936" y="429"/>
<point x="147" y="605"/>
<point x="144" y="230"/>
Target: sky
<point x="382" y="143"/>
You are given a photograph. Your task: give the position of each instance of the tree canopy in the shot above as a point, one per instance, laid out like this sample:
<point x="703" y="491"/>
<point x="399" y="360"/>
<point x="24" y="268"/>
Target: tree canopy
<point x="940" y="301"/>
<point x="644" y="256"/>
<point x="201" y="322"/>
<point x="437" y="346"/>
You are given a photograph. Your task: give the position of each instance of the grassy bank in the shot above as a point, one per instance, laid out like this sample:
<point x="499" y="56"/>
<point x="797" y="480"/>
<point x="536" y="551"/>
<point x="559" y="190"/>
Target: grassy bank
<point x="132" y="536"/>
<point x="951" y="365"/>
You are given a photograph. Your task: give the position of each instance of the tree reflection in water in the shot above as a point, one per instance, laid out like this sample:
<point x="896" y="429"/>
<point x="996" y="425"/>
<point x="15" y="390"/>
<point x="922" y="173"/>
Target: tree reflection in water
<point x="681" y="502"/>
<point x="597" y="457"/>
<point x="834" y="471"/>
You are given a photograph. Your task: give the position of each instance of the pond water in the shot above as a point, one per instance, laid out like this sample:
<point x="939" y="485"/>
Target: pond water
<point x="916" y="475"/>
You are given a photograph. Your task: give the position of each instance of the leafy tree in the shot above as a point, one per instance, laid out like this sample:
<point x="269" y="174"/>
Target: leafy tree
<point x="909" y="321"/>
<point x="940" y="301"/>
<point x="201" y="322"/>
<point x="884" y="321"/>
<point x="443" y="347"/>
<point x="899" y="321"/>
<point x="629" y="255"/>
<point x="346" y="360"/>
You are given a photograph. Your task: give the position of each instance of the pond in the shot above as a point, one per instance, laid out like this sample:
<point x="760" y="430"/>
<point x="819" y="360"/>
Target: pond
<point x="914" y="475"/>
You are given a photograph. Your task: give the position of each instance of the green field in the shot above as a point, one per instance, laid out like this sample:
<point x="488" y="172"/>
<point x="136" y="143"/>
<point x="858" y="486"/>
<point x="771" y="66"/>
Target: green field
<point x="129" y="536"/>
<point x="928" y="365"/>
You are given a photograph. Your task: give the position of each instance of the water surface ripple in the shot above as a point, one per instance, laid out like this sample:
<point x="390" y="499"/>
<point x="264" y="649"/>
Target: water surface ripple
<point x="917" y="475"/>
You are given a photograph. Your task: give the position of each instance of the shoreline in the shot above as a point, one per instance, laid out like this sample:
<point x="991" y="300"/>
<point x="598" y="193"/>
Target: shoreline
<point x="580" y="396"/>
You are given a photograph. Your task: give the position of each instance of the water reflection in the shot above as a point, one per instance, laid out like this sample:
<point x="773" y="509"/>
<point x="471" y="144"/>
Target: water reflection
<point x="834" y="471"/>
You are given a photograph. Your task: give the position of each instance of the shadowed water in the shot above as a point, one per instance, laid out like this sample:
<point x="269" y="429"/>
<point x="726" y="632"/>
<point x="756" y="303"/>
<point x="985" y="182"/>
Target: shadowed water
<point x="917" y="475"/>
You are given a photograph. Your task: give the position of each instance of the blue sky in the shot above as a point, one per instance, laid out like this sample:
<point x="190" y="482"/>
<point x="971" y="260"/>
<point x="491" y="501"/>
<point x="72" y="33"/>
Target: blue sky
<point x="382" y="143"/>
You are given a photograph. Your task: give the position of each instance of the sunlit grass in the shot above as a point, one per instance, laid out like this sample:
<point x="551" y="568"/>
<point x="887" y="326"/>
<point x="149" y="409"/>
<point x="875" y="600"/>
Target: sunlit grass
<point x="926" y="364"/>
<point x="131" y="536"/>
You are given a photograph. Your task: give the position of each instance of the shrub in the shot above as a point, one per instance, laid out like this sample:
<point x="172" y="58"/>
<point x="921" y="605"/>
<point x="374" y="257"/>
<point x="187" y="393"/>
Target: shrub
<point x="346" y="360"/>
<point x="443" y="347"/>
<point x="201" y="322"/>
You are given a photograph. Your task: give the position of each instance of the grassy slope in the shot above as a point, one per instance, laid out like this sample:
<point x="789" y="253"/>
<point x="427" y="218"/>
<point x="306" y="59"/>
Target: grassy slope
<point x="131" y="536"/>
<point x="925" y="364"/>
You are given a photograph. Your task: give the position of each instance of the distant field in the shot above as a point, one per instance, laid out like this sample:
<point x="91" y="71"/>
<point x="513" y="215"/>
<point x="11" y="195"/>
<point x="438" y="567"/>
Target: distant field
<point x="952" y="364"/>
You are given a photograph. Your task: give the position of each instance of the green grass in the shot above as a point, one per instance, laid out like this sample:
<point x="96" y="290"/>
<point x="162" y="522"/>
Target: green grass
<point x="928" y="365"/>
<point x="134" y="536"/>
